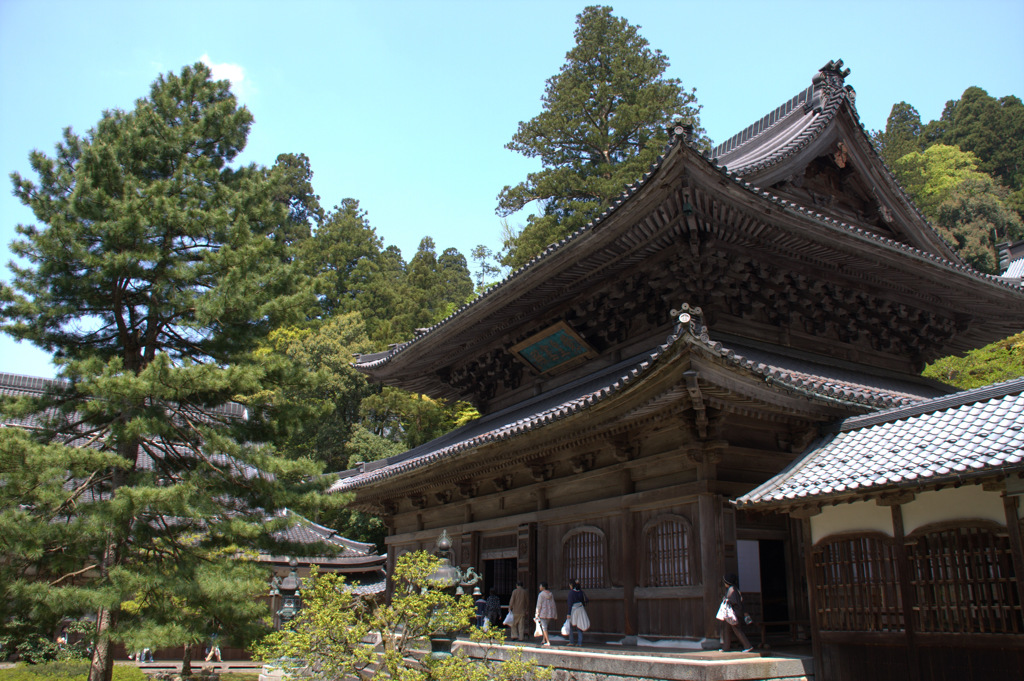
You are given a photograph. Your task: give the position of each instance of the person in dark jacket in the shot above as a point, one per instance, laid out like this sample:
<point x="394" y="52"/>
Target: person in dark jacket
<point x="494" y="608"/>
<point x="481" y="606"/>
<point x="577" y="602"/>
<point x="735" y="599"/>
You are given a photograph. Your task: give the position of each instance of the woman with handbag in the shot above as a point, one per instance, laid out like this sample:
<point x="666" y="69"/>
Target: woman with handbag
<point x="578" y="619"/>
<point x="730" y="612"/>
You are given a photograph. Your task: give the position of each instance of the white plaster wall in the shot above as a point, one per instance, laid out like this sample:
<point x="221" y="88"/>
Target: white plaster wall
<point x="860" y="516"/>
<point x="970" y="502"/>
<point x="967" y="502"/>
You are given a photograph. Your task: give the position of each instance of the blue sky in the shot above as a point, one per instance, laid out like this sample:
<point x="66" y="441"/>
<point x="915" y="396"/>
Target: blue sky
<point x="406" y="106"/>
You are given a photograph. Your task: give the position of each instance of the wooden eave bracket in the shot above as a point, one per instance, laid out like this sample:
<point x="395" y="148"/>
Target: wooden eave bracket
<point x="895" y="499"/>
<point x="705" y="452"/>
<point x="542" y="472"/>
<point x="503" y="483"/>
<point x="583" y="462"/>
<point x="804" y="512"/>
<point x="468" y="488"/>
<point x="700" y="414"/>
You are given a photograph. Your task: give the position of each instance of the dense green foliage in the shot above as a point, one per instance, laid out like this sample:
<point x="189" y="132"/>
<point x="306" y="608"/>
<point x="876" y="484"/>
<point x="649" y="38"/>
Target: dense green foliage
<point x="604" y="121"/>
<point x="339" y="634"/>
<point x="1000" y="361"/>
<point x="33" y="640"/>
<point x="964" y="171"/>
<point x="976" y="219"/>
<point x="932" y="175"/>
<point x="155" y="273"/>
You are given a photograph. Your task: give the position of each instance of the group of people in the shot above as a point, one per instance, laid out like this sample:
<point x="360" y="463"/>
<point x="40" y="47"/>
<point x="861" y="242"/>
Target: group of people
<point x="546" y="611"/>
<point x="732" y="617"/>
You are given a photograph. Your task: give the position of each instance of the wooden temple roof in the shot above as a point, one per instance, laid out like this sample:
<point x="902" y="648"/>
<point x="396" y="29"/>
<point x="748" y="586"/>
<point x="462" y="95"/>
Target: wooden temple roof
<point x="779" y="151"/>
<point x="795" y="234"/>
<point x="346" y="553"/>
<point x="969" y="436"/>
<point x="754" y="379"/>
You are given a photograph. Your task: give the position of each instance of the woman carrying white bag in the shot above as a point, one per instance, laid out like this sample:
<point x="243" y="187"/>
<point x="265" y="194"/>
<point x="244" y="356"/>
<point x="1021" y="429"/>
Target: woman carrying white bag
<point x="545" y="612"/>
<point x="730" y="613"/>
<point x="578" y="621"/>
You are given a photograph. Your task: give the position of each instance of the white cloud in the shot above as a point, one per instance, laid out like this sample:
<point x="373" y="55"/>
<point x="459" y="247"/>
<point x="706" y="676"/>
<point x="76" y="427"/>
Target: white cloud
<point x="232" y="72"/>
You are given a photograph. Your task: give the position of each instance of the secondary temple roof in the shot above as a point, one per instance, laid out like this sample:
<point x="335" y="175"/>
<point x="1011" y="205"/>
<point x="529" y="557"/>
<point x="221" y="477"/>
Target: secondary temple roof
<point x="807" y="379"/>
<point x="951" y="439"/>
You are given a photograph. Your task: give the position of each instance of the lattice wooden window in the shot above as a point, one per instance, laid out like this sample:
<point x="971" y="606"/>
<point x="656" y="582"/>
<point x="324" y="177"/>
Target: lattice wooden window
<point x="584" y="555"/>
<point x="668" y="543"/>
<point x="964" y="581"/>
<point x="856" y="587"/>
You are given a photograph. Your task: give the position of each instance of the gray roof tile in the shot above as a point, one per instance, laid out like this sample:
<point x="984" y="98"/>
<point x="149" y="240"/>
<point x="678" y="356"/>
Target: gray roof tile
<point x="972" y="433"/>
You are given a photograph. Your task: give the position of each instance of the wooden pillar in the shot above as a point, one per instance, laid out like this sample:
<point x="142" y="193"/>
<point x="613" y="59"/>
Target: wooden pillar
<point x="712" y="562"/>
<point x="469" y="552"/>
<point x="1016" y="542"/>
<point x="631" y="550"/>
<point x="526" y="565"/>
<point x="908" y="596"/>
<point x="811" y="596"/>
<point x="798" y="546"/>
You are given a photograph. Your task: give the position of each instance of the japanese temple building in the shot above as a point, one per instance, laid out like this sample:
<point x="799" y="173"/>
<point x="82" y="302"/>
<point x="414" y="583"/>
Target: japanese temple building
<point x="636" y="378"/>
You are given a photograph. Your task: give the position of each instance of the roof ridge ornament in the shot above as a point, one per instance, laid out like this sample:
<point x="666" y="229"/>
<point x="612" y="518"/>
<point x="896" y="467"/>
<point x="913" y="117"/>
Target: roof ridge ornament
<point x="690" y="320"/>
<point x="829" y="80"/>
<point x="684" y="130"/>
<point x="832" y="73"/>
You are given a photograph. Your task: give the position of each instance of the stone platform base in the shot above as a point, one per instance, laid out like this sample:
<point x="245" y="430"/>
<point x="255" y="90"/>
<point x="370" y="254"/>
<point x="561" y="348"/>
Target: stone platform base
<point x="575" y="664"/>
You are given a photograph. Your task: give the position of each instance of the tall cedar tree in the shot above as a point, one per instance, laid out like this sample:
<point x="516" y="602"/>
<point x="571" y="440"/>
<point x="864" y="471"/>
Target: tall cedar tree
<point x="154" y="273"/>
<point x="902" y="134"/>
<point x="992" y="129"/>
<point x="604" y="121"/>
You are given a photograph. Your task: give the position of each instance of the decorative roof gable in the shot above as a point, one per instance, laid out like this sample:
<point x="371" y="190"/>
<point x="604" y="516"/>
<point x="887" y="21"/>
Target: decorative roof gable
<point x="814" y="150"/>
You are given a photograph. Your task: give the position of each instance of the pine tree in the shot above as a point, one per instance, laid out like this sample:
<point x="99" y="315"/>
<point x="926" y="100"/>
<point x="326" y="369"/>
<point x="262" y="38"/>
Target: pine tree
<point x="154" y="274"/>
<point x="604" y="121"/>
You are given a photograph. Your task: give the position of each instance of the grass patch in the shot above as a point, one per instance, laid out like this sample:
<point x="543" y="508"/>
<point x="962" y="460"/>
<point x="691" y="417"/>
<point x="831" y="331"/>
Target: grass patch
<point x="65" y="670"/>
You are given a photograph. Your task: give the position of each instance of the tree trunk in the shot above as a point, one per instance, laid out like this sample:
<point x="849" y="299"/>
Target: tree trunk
<point x="186" y="661"/>
<point x="102" y="666"/>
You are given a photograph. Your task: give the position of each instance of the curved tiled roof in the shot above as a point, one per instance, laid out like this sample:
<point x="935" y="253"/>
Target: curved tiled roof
<point x="789" y="128"/>
<point x="342" y="551"/>
<point x="822" y="382"/>
<point x="808" y="112"/>
<point x="17" y="386"/>
<point x="966" y="435"/>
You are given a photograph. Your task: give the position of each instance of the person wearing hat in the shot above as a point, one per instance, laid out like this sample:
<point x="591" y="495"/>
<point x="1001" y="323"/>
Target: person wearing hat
<point x="729" y="625"/>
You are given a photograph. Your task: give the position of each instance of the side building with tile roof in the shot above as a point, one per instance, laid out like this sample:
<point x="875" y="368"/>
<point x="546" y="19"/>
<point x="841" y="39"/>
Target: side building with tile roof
<point x="675" y="354"/>
<point x="914" y="522"/>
